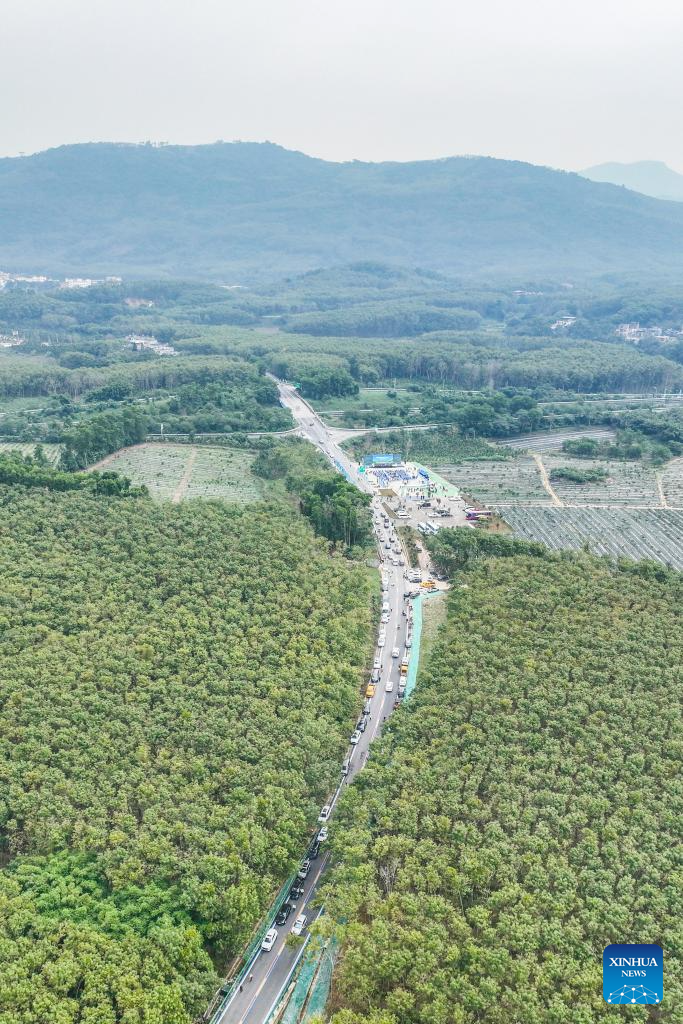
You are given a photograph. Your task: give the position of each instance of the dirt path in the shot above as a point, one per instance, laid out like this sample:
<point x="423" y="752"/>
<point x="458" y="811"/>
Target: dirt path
<point x="182" y="486"/>
<point x="545" y="480"/>
<point x="660" y="490"/>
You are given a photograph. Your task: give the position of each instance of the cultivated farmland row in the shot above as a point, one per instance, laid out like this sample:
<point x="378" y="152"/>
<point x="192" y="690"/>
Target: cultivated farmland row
<point x="652" y="533"/>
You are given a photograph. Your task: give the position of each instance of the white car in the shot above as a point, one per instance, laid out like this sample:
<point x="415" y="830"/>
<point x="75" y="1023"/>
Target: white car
<point x="355" y="737"/>
<point x="402" y="514"/>
<point x="269" y="940"/>
<point x="385" y="617"/>
<point x="299" y="925"/>
<point x="325" y="814"/>
<point x="378" y="663"/>
<point x="389" y="685"/>
<point x="395" y="652"/>
<point x="323" y="834"/>
<point x="381" y="640"/>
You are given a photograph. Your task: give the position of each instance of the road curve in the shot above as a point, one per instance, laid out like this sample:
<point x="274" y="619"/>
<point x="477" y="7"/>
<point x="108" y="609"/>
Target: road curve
<point x="270" y="972"/>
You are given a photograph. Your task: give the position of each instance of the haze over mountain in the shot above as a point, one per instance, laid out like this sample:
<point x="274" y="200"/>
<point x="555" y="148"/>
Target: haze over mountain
<point x="651" y="177"/>
<point x="238" y="212"/>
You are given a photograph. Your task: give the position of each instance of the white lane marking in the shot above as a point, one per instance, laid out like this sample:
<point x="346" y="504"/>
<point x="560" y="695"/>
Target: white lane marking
<point x="260" y="988"/>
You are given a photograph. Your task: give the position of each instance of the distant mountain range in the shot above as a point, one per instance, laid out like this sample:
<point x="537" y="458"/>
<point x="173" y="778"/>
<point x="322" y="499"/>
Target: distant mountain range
<point x="651" y="177"/>
<point x="243" y="212"/>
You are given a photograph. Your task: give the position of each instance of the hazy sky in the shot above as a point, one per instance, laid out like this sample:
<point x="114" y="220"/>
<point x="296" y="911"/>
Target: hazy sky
<point x="565" y="84"/>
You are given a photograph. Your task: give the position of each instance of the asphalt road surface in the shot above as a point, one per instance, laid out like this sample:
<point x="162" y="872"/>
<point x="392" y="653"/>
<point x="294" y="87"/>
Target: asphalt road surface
<point x="271" y="971"/>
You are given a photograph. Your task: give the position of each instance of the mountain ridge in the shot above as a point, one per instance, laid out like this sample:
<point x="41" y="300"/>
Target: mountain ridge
<point x="253" y="211"/>
<point x="651" y="178"/>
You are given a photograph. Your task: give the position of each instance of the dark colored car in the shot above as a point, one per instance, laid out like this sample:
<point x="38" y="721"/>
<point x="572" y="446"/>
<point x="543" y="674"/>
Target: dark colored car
<point x="313" y="851"/>
<point x="296" y="892"/>
<point x="283" y="913"/>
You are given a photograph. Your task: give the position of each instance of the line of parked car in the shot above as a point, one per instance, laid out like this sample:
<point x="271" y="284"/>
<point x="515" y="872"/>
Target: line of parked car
<point x="297" y="889"/>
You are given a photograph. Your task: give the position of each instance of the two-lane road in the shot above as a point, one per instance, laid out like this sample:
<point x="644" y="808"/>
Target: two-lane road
<point x="270" y="972"/>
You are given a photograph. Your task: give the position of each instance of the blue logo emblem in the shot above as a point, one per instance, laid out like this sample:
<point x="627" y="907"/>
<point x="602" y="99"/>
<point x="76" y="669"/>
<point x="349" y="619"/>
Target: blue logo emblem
<point x="633" y="973"/>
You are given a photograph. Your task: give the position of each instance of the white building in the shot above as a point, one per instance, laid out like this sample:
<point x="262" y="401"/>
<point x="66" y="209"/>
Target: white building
<point x="148" y="343"/>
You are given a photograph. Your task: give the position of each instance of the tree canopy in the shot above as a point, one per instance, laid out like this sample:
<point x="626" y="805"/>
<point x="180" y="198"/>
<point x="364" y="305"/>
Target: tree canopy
<point x="178" y="686"/>
<point x="523" y="809"/>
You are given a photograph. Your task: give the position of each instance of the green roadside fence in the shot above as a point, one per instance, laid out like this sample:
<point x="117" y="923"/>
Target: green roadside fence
<point x="312" y="988"/>
<point x="417" y="639"/>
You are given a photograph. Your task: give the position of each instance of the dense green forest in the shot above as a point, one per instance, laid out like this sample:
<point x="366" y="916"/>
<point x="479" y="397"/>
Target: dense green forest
<point x="178" y="683"/>
<point x="93" y="412"/>
<point x="467" y="362"/>
<point x="241" y="211"/>
<point x="361" y="299"/>
<point x="523" y="809"/>
<point x="336" y="508"/>
<point x="35" y="471"/>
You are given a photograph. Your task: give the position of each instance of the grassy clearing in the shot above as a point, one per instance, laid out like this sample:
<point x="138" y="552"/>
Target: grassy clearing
<point x="352" y="410"/>
<point x="11" y="406"/>
<point x="52" y="451"/>
<point x="434" y="610"/>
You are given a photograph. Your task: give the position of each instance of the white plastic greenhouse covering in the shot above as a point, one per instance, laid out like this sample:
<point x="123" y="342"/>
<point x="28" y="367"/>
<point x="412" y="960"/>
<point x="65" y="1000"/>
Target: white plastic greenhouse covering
<point x="656" y="534"/>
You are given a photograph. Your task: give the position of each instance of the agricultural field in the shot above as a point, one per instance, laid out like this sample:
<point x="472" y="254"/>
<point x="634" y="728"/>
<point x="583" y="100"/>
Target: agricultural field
<point x="672" y="482"/>
<point x="627" y="483"/>
<point x="183" y="471"/>
<point x="550" y="441"/>
<point x="51" y="451"/>
<point x="223" y="473"/>
<point x="160" y="467"/>
<point x="13" y="405"/>
<point x="656" y="534"/>
<point x="514" y="481"/>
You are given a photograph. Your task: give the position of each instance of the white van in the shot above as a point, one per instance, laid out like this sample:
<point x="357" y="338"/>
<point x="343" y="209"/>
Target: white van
<point x="385" y="606"/>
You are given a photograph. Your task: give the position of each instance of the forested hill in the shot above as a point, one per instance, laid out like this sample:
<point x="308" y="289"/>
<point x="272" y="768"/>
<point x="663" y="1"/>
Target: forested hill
<point x="238" y="211"/>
